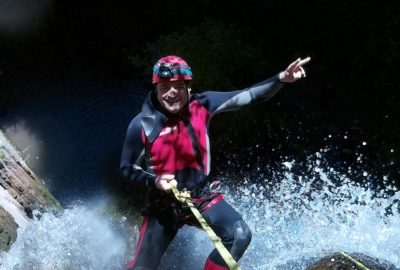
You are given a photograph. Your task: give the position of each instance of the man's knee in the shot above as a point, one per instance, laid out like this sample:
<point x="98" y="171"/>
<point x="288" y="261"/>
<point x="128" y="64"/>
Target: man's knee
<point x="242" y="237"/>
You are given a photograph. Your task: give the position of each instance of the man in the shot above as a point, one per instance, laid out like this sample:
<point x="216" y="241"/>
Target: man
<point x="170" y="136"/>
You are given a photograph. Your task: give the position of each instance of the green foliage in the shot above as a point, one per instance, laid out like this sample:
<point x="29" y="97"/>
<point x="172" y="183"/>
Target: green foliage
<point x="218" y="53"/>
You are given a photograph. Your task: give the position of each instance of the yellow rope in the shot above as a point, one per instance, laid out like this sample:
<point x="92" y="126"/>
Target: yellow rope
<point x="184" y="197"/>
<point x="359" y="264"/>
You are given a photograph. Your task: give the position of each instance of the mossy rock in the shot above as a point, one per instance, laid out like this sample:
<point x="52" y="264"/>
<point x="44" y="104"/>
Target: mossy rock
<point x="356" y="261"/>
<point x="8" y="230"/>
<point x="26" y="191"/>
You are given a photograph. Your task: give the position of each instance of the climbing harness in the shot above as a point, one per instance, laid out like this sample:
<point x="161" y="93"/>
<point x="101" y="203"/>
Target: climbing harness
<point x="185" y="198"/>
<point x="215" y="186"/>
<point x="359" y="264"/>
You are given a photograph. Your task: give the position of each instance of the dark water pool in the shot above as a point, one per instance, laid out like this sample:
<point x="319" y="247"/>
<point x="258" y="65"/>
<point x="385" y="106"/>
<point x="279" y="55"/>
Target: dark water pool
<point x="71" y="132"/>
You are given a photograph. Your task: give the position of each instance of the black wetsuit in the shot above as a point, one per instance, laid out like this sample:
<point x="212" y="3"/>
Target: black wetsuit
<point x="179" y="145"/>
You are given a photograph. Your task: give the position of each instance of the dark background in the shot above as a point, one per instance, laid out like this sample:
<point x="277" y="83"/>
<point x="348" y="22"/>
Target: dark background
<point x="350" y="95"/>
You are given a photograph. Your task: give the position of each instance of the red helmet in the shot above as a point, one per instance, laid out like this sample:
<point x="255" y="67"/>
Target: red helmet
<point x="171" y="68"/>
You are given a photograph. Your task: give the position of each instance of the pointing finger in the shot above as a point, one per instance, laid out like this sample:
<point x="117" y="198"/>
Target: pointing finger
<point x="304" y="61"/>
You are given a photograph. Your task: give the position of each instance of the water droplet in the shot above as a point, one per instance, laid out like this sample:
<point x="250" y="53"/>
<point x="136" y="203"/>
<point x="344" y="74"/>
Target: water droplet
<point x="287" y="165"/>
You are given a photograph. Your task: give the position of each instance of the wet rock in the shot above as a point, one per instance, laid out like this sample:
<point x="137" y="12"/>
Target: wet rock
<point x="22" y="193"/>
<point x="8" y="229"/>
<point x="356" y="261"/>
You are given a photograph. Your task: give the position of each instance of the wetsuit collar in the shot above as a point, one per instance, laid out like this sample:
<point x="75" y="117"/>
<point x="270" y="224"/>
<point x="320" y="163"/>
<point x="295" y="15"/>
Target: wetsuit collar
<point x="152" y="120"/>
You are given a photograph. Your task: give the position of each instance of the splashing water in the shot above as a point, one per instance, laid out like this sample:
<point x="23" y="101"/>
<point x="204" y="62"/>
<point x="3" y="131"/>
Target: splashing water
<point x="295" y="223"/>
<point x="78" y="239"/>
<point x="295" y="220"/>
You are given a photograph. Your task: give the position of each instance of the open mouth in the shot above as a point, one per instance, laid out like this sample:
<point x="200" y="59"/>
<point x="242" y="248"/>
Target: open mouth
<point x="172" y="102"/>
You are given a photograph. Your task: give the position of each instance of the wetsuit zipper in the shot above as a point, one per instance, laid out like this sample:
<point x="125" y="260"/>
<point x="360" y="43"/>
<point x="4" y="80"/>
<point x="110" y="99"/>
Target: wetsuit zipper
<point x="195" y="143"/>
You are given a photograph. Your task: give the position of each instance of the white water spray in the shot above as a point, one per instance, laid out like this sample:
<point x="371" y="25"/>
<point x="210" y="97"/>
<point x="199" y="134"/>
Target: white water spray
<point x="77" y="239"/>
<point x="295" y="220"/>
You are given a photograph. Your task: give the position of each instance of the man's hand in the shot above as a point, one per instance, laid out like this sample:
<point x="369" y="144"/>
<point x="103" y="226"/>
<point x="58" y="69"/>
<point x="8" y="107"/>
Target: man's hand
<point x="294" y="71"/>
<point x="165" y="181"/>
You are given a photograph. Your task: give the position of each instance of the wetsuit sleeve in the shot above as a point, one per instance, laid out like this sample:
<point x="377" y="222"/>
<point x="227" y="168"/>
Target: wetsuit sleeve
<point x="217" y="102"/>
<point x="132" y="156"/>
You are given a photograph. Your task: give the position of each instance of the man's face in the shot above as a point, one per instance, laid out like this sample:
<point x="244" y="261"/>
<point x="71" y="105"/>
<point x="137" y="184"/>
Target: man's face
<point x="172" y="96"/>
